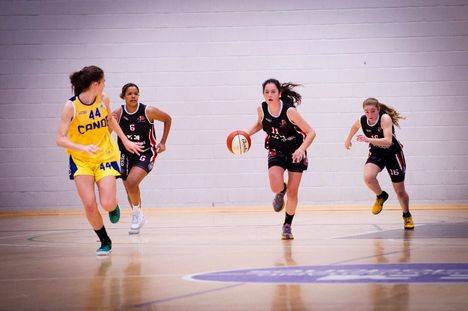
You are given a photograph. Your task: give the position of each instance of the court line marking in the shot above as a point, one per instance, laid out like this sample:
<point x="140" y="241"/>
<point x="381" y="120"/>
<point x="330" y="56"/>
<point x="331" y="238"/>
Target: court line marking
<point x="67" y="231"/>
<point x="216" y="289"/>
<point x="14" y="236"/>
<point x="337" y="264"/>
<point x="378" y="228"/>
<point x="351" y="260"/>
<point x="219" y="226"/>
<point x="189" y="278"/>
<point x="89" y="277"/>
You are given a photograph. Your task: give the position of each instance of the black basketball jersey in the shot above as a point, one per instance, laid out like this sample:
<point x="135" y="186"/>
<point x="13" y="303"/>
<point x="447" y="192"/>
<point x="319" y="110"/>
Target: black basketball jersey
<point x="137" y="128"/>
<point x="282" y="134"/>
<point x="376" y="131"/>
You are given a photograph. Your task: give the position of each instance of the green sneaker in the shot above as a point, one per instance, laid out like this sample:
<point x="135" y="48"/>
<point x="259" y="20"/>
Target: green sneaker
<point x="105" y="249"/>
<point x="114" y="216"/>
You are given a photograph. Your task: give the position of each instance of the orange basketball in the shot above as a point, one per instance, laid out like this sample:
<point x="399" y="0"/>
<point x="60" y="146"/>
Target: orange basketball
<point x="238" y="142"/>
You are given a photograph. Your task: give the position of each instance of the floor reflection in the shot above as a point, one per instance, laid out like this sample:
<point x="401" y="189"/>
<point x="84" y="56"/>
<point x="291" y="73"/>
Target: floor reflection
<point x="133" y="280"/>
<point x="287" y="296"/>
<point x="101" y="285"/>
<point x="113" y="288"/>
<point x="398" y="294"/>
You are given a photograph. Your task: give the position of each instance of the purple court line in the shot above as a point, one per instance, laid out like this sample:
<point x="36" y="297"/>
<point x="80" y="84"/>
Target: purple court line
<point x="145" y="304"/>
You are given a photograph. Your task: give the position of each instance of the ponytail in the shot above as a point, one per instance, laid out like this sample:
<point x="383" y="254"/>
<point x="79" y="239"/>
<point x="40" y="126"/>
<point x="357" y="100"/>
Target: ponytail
<point x="286" y="90"/>
<point x="81" y="80"/>
<point x="394" y="115"/>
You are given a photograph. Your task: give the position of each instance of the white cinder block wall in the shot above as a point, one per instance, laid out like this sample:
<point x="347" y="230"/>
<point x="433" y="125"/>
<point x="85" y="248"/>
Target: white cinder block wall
<point x="204" y="61"/>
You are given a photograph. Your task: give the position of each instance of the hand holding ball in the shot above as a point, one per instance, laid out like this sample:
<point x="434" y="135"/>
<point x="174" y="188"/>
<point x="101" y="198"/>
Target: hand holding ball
<point x="238" y="142"/>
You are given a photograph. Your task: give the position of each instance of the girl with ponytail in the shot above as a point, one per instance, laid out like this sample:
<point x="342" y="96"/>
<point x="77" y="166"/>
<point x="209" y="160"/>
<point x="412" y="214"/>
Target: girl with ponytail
<point x="288" y="136"/>
<point x="385" y="150"/>
<point x="93" y="155"/>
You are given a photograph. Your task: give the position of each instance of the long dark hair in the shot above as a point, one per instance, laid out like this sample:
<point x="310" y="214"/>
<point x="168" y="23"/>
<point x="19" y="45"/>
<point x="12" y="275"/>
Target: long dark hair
<point x="286" y="91"/>
<point x="394" y="115"/>
<point x="125" y="87"/>
<point x="81" y="80"/>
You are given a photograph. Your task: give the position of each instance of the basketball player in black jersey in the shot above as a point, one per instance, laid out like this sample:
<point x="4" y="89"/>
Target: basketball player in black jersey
<point x="384" y="151"/>
<point x="287" y="140"/>
<point x="136" y="121"/>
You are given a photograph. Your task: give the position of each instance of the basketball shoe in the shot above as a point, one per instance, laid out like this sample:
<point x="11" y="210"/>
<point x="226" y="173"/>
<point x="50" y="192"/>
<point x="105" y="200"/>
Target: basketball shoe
<point x="138" y="220"/>
<point x="408" y="223"/>
<point x="105" y="248"/>
<point x="278" y="201"/>
<point x="287" y="234"/>
<point x="379" y="201"/>
<point x="114" y="216"/>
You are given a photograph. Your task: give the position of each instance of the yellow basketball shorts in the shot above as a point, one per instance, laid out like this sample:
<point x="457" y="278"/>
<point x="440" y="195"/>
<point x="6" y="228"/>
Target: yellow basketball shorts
<point x="98" y="170"/>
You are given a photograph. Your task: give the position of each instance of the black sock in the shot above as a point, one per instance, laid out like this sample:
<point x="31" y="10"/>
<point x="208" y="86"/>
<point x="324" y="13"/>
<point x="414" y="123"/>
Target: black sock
<point x="102" y="234"/>
<point x="284" y="188"/>
<point x="381" y="195"/>
<point x="288" y="218"/>
<point x="407" y="214"/>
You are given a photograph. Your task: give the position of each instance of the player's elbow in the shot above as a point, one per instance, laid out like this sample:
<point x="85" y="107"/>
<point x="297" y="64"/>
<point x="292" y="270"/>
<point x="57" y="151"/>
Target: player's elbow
<point x="312" y="133"/>
<point x="59" y="140"/>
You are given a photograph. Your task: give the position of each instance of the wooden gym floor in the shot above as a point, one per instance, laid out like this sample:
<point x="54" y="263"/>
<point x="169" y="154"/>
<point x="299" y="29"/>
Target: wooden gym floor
<point x="184" y="260"/>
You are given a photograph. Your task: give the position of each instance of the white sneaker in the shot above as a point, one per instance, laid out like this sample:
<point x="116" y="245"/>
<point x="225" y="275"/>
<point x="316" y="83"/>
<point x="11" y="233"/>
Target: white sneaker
<point x="138" y="220"/>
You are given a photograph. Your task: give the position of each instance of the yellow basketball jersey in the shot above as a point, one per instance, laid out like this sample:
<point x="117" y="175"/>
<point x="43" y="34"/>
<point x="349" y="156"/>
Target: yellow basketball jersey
<point x="89" y="126"/>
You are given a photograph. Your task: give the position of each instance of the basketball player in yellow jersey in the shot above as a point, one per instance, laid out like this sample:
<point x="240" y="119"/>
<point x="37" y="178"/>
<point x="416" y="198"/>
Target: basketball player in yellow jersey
<point x="84" y="131"/>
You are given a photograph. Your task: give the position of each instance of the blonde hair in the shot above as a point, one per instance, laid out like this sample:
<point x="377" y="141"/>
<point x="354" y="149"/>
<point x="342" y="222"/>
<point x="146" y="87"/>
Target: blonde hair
<point x="394" y="115"/>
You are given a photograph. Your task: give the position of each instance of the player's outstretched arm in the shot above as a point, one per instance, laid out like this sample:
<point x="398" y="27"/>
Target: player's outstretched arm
<point x="130" y="146"/>
<point x="258" y="124"/>
<point x="352" y="131"/>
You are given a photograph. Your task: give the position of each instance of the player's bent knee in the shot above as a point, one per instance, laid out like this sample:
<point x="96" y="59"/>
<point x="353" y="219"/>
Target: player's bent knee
<point x="368" y="179"/>
<point x="277" y="188"/>
<point x="109" y="205"/>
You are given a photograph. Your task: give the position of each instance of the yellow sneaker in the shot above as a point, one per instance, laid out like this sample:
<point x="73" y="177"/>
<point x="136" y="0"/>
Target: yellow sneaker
<point x="408" y="223"/>
<point x="378" y="204"/>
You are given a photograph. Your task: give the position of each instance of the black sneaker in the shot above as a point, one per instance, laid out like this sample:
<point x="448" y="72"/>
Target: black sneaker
<point x="287" y="234"/>
<point x="278" y="201"/>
